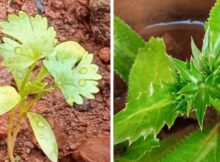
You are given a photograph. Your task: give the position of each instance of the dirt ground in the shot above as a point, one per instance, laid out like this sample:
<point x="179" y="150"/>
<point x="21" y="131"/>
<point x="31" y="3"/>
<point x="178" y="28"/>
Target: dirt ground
<point x="83" y="131"/>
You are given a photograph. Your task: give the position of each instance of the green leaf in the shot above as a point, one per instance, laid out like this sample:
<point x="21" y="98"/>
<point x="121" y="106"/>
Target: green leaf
<point x="7" y="48"/>
<point x="26" y="39"/>
<point x="207" y="46"/>
<point x="196" y="55"/>
<point x="43" y="73"/>
<point x="201" y="102"/>
<point x="200" y="146"/>
<point x="216" y="104"/>
<point x="214" y="22"/>
<point x="195" y="71"/>
<point x="32" y="34"/>
<point x="74" y="80"/>
<point x="184" y="71"/>
<point x="126" y="45"/>
<point x="34" y="87"/>
<point x="189" y="88"/>
<point x="152" y="66"/>
<point x="44" y="135"/>
<point x="135" y="151"/>
<point x="19" y="76"/>
<point x="150" y="105"/>
<point x="9" y="98"/>
<point x="69" y="49"/>
<point x="157" y="154"/>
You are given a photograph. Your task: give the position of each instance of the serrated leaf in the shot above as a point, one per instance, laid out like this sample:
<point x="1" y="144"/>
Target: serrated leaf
<point x="189" y="105"/>
<point x="200" y="146"/>
<point x="200" y="103"/>
<point x="207" y="46"/>
<point x="214" y="23"/>
<point x="184" y="71"/>
<point x="195" y="71"/>
<point x="126" y="45"/>
<point x="158" y="68"/>
<point x="189" y="89"/>
<point x="135" y="151"/>
<point x="216" y="49"/>
<point x="44" y="135"/>
<point x="149" y="104"/>
<point x="216" y="104"/>
<point x="157" y="154"/>
<point x="196" y="55"/>
<point x="9" y="98"/>
<point x="74" y="80"/>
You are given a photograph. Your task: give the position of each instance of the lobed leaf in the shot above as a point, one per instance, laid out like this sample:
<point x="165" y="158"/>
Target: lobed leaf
<point x="9" y="98"/>
<point x="74" y="80"/>
<point x="29" y="32"/>
<point x="44" y="135"/>
<point x="69" y="49"/>
<point x="26" y="39"/>
<point x="126" y="45"/>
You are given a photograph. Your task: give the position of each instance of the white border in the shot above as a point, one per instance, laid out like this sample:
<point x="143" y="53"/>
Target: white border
<point x="111" y="80"/>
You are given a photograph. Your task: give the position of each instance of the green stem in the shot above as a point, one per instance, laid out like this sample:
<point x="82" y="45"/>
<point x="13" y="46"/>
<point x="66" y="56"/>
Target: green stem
<point x="27" y="77"/>
<point x="22" y="114"/>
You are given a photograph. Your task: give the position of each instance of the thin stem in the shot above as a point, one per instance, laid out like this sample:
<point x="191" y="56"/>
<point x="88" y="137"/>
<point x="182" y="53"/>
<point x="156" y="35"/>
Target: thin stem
<point x="27" y="77"/>
<point x="22" y="114"/>
<point x="24" y="108"/>
<point x="9" y="137"/>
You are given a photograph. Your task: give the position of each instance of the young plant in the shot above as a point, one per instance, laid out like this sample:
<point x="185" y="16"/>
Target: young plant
<point x="31" y="53"/>
<point x="160" y="88"/>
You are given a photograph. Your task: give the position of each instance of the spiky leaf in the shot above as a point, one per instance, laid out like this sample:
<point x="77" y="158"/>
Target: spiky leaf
<point x="167" y="145"/>
<point x="126" y="45"/>
<point x="214" y="23"/>
<point x="200" y="146"/>
<point x="149" y="104"/>
<point x="135" y="151"/>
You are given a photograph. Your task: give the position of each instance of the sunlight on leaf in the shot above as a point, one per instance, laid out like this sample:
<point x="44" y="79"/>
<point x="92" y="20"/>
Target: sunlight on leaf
<point x="149" y="105"/>
<point x="9" y="98"/>
<point x="44" y="135"/>
<point x="74" y="80"/>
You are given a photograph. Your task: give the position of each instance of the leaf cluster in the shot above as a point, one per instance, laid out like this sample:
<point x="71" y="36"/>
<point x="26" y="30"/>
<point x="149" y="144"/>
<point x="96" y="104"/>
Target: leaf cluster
<point x="160" y="88"/>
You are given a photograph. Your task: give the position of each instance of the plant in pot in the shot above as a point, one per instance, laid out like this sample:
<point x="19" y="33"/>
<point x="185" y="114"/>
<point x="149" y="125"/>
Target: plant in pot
<point x="32" y="54"/>
<point x="161" y="88"/>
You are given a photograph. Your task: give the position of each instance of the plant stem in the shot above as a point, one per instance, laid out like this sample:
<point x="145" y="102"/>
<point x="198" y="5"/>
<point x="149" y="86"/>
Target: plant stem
<point x="24" y="108"/>
<point x="27" y="77"/>
<point x="9" y="137"/>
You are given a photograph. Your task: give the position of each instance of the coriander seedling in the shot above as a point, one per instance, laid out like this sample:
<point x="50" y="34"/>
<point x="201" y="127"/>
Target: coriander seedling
<point x="28" y="43"/>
